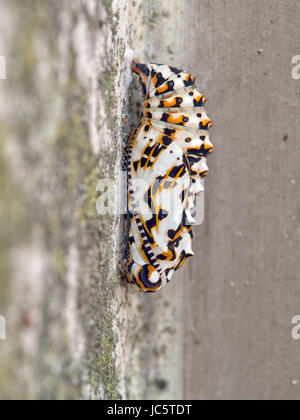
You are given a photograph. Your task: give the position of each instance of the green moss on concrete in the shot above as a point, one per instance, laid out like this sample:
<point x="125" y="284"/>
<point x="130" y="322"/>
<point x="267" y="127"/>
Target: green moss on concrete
<point x="155" y="18"/>
<point x="108" y="7"/>
<point x="72" y="172"/>
<point x="97" y="287"/>
<point x="99" y="279"/>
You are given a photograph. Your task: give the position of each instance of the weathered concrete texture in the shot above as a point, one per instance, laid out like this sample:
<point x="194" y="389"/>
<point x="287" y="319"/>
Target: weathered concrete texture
<point x="75" y="330"/>
<point x="244" y="288"/>
<point x="61" y="132"/>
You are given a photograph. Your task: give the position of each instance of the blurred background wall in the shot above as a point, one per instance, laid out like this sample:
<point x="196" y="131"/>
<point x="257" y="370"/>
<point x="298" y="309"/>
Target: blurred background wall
<point x="222" y="329"/>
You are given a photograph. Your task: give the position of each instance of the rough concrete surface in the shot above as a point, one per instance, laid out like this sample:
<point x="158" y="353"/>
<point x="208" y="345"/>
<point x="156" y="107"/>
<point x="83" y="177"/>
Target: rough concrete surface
<point x="75" y="330"/>
<point x="237" y="325"/>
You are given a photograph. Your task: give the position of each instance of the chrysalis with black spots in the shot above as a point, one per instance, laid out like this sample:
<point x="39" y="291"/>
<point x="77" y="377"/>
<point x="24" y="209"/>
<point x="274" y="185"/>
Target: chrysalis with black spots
<point x="165" y="162"/>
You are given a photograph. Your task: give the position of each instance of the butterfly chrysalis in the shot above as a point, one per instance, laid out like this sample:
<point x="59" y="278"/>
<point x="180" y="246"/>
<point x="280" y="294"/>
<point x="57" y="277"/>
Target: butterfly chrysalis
<point x="165" y="162"/>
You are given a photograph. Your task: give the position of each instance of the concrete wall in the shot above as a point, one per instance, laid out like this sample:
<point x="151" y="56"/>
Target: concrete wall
<point x="222" y="329"/>
<point x="243" y="289"/>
